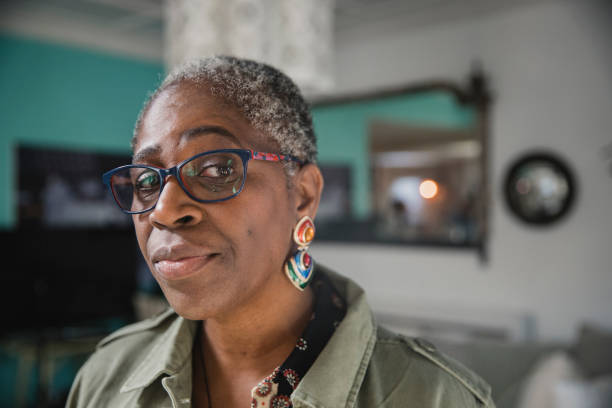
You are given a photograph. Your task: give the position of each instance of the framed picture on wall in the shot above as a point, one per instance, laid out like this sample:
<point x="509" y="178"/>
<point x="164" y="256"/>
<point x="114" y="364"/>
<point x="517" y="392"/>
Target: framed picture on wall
<point x="335" y="200"/>
<point x="63" y="188"/>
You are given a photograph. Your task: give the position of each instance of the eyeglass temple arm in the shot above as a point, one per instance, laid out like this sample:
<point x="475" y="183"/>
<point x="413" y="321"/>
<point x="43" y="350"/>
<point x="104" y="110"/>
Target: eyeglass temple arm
<point x="274" y="157"/>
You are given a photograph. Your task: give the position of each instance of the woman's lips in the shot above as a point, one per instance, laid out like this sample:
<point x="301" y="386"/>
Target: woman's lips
<point x="181" y="268"/>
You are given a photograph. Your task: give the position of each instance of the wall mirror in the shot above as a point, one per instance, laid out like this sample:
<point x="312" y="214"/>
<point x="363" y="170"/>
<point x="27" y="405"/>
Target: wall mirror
<point x="406" y="166"/>
<point x="540" y="188"/>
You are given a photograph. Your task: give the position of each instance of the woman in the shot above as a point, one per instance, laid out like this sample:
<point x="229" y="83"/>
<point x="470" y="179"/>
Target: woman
<point x="223" y="189"/>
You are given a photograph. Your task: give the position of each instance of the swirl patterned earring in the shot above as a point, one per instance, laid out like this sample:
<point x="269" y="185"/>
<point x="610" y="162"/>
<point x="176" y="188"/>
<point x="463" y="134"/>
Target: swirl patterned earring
<point x="299" y="268"/>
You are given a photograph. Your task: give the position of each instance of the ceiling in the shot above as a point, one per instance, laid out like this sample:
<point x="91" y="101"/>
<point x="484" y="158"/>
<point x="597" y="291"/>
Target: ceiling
<point x="126" y="15"/>
<point x="135" y="27"/>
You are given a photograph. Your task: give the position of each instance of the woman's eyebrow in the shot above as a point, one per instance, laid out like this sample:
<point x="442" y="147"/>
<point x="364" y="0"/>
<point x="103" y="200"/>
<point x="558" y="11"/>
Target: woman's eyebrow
<point x="154" y="151"/>
<point x="146" y="153"/>
<point x="206" y="129"/>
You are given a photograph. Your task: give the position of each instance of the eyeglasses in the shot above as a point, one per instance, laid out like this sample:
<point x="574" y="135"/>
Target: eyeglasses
<point x="208" y="177"/>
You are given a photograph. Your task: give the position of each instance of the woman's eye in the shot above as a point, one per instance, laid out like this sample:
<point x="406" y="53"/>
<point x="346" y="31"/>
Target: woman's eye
<point x="217" y="171"/>
<point x="147" y="180"/>
<point x="217" y="168"/>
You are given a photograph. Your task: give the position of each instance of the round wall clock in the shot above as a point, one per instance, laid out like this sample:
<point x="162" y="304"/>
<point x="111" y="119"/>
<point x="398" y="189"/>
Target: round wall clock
<point x="539" y="188"/>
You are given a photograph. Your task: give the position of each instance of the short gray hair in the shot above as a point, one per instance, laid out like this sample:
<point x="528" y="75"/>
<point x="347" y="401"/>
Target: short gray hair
<point x="268" y="99"/>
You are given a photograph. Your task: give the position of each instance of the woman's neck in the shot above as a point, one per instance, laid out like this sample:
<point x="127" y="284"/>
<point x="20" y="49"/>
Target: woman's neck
<point x="270" y="323"/>
<point x="243" y="347"/>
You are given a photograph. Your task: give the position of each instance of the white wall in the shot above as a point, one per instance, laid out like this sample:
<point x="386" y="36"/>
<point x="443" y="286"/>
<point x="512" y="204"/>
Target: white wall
<point x="550" y="65"/>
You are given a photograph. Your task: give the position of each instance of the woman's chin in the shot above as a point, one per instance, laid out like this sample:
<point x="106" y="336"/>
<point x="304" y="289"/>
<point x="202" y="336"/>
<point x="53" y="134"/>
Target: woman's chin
<point x="196" y="306"/>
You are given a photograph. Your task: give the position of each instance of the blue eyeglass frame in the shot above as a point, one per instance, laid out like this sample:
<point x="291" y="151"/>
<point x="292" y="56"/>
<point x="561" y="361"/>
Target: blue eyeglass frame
<point x="245" y="155"/>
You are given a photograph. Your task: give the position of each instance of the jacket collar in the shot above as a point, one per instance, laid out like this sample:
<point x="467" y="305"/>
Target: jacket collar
<point x="335" y="377"/>
<point x="168" y="356"/>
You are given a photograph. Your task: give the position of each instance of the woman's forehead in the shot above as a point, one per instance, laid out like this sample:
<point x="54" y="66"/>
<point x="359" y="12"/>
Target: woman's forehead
<point x="185" y="109"/>
<point x="188" y="101"/>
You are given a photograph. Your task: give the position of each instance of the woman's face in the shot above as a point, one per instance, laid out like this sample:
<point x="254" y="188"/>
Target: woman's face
<point x="212" y="258"/>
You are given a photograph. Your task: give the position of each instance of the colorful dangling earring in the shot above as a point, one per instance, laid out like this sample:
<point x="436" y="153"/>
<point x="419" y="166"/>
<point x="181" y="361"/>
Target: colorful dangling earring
<point x="299" y="268"/>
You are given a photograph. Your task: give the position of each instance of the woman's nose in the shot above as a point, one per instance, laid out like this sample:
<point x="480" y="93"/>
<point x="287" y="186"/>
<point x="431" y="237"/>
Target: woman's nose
<point x="174" y="207"/>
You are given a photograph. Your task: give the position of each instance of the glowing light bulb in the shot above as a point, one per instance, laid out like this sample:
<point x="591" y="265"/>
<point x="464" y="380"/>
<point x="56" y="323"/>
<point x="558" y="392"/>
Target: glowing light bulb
<point x="428" y="189"/>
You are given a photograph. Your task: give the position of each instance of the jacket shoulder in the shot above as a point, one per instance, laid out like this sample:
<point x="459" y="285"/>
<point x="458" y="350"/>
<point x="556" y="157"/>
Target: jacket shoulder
<point x="474" y="383"/>
<point x="118" y="358"/>
<point x="423" y="355"/>
<point x="138" y="327"/>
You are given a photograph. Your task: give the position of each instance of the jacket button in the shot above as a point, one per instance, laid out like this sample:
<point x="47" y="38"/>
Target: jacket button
<point x="426" y="345"/>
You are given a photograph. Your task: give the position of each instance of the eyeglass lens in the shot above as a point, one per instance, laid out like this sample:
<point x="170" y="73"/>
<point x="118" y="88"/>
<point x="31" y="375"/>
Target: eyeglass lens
<point x="210" y="177"/>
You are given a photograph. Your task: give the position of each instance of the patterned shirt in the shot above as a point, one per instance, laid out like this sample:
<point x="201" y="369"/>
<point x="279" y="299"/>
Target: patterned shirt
<point x="275" y="390"/>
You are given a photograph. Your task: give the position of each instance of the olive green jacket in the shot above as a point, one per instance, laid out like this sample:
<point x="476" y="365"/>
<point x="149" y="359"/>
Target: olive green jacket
<point x="148" y="364"/>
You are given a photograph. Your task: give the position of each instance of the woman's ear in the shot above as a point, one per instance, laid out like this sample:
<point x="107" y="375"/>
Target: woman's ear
<point x="308" y="185"/>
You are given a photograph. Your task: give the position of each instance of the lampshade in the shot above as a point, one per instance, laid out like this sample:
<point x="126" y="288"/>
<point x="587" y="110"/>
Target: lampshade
<point x="295" y="36"/>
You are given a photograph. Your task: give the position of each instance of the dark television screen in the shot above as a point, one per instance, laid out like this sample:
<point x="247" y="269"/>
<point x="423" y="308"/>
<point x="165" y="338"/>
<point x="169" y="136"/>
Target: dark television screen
<point x="66" y="277"/>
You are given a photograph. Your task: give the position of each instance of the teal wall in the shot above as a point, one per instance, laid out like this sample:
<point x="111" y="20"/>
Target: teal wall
<point x="342" y="131"/>
<point x="72" y="98"/>
<point x="64" y="97"/>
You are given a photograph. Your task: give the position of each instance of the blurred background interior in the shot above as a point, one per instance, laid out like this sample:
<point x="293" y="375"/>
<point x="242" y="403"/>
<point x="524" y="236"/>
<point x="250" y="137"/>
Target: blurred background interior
<point x="466" y="147"/>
